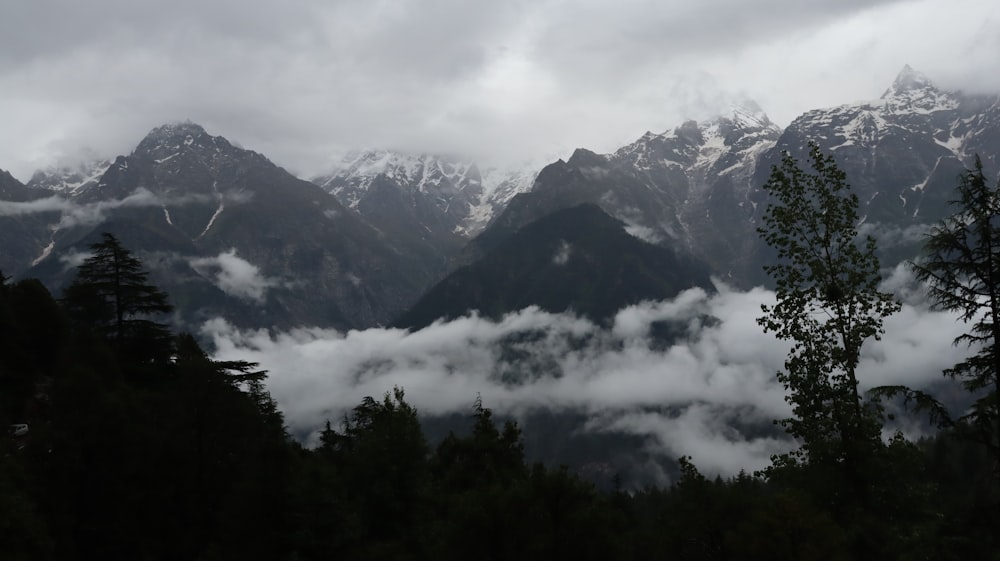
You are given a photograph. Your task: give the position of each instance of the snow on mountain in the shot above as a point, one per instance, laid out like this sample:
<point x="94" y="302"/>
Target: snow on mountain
<point x="912" y="92"/>
<point x="73" y="178"/>
<point x="455" y="193"/>
<point x="912" y="104"/>
<point x="902" y="152"/>
<point x="687" y="188"/>
<point x="726" y="146"/>
<point x="352" y="177"/>
<point x="500" y="185"/>
<point x="742" y="133"/>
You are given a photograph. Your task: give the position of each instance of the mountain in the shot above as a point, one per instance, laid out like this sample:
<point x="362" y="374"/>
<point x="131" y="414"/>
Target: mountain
<point x="442" y="198"/>
<point x="369" y="237"/>
<point x="23" y="228"/>
<point x="71" y="179"/>
<point x="227" y="231"/>
<point x="687" y="188"/>
<point x="902" y="153"/>
<point x="697" y="187"/>
<point x="14" y="191"/>
<point x="577" y="259"/>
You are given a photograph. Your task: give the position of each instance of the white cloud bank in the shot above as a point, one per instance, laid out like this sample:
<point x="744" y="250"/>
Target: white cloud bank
<point x="235" y="276"/>
<point x="686" y="395"/>
<point x="73" y="213"/>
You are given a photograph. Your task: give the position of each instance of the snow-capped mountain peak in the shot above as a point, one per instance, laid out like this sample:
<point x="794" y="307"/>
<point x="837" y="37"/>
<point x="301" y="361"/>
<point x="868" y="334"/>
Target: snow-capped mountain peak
<point x="165" y="143"/>
<point x="908" y="79"/>
<point x="420" y="171"/>
<point x="917" y="133"/>
<point x="71" y="178"/>
<point x="912" y="103"/>
<point x="742" y="131"/>
<point x="169" y="133"/>
<point x="464" y="196"/>
<point x="913" y="92"/>
<point x="746" y="113"/>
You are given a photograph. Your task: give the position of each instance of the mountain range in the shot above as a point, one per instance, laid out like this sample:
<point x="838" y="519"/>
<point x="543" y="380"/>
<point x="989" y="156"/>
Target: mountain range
<point x="225" y="231"/>
<point x="386" y="236"/>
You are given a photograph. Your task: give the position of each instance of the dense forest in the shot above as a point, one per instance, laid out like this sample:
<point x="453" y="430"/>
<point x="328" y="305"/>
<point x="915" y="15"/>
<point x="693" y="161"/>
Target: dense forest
<point x="128" y="441"/>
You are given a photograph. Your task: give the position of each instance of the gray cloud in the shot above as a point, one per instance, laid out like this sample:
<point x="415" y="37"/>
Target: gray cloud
<point x="235" y="276"/>
<point x="73" y="213"/>
<point x="687" y="396"/>
<point x="74" y="260"/>
<point x="305" y="80"/>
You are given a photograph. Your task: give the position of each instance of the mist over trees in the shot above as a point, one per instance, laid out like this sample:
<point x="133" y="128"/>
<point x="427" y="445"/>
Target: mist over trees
<point x="129" y="441"/>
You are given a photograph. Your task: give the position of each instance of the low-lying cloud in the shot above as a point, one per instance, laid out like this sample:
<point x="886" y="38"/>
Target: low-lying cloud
<point x="73" y="213"/>
<point x="685" y="373"/>
<point x="235" y="276"/>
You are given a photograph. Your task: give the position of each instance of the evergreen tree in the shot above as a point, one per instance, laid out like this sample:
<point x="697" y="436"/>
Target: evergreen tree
<point x="111" y="294"/>
<point x="382" y="456"/>
<point x="962" y="270"/>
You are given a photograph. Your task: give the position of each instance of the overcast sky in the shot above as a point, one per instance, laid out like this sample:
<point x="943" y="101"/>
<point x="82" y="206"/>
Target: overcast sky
<point x="304" y="80"/>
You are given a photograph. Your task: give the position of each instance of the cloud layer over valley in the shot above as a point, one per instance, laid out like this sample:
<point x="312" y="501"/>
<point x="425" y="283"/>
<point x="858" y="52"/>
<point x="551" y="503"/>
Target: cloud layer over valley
<point x="693" y="375"/>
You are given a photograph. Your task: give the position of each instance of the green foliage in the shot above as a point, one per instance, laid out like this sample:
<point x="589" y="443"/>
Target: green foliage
<point x="828" y="305"/>
<point x="962" y="270"/>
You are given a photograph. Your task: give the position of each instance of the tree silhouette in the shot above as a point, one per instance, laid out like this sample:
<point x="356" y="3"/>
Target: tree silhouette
<point x="962" y="269"/>
<point x="111" y="295"/>
<point x="828" y="305"/>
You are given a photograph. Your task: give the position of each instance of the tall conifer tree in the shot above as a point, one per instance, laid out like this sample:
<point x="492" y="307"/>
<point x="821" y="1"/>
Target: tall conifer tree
<point x="962" y="269"/>
<point x="112" y="295"/>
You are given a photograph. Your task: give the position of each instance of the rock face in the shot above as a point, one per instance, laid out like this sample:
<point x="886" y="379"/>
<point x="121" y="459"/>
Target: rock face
<point x="902" y="153"/>
<point x="230" y="232"/>
<point x="23" y="223"/>
<point x="226" y="231"/>
<point x="71" y="179"/>
<point x="688" y="188"/>
<point x="577" y="259"/>
<point x="697" y="187"/>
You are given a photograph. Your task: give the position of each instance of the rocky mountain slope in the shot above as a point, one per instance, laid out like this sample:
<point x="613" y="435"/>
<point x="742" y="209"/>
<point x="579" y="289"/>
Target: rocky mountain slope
<point x="362" y="243"/>
<point x="686" y="188"/>
<point x="71" y="179"/>
<point x="23" y="223"/>
<point x="228" y="231"/>
<point x="903" y="152"/>
<point x="577" y="259"/>
<point x="697" y="187"/>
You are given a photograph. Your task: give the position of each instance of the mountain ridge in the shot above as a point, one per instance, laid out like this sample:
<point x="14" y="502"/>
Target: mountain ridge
<point x="694" y="188"/>
<point x="210" y="214"/>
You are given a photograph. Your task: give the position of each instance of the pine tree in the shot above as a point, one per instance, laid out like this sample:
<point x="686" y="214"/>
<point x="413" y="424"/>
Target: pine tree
<point x="111" y="294"/>
<point x="962" y="270"/>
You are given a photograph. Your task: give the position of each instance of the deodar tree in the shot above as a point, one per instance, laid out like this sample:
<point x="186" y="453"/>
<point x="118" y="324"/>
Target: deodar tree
<point x="111" y="294"/>
<point x="962" y="271"/>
